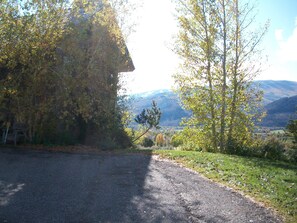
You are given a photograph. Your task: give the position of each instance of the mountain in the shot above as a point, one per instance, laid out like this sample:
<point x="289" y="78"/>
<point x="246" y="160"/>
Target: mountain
<point x="172" y="112"/>
<point x="167" y="101"/>
<point x="280" y="112"/>
<point x="274" y="90"/>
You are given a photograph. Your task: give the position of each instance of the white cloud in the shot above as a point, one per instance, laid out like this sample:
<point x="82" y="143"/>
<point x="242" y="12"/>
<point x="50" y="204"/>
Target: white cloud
<point x="288" y="47"/>
<point x="279" y="34"/>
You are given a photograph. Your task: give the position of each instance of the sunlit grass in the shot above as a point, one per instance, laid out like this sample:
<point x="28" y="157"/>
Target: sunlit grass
<point x="270" y="182"/>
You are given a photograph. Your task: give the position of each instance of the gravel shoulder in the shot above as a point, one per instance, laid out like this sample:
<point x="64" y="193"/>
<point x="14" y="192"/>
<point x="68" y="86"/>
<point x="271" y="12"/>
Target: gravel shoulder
<point x="60" y="187"/>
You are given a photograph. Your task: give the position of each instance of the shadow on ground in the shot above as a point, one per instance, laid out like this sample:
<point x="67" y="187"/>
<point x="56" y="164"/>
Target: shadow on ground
<point x="57" y="187"/>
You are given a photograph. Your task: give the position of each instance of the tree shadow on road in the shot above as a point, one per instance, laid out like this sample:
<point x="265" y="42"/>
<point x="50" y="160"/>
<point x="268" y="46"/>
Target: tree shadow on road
<point x="59" y="187"/>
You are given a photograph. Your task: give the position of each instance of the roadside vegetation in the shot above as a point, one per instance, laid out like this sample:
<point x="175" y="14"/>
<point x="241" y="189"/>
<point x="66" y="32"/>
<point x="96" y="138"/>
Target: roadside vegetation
<point x="265" y="170"/>
<point x="278" y="145"/>
<point x="273" y="183"/>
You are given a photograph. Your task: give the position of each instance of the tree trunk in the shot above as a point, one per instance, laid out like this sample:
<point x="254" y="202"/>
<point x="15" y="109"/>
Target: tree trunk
<point x="224" y="85"/>
<point x="210" y="85"/>
<point x="235" y="81"/>
<point x="141" y="135"/>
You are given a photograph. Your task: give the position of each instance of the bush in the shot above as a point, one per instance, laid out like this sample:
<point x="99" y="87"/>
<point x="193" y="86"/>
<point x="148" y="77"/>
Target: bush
<point x="176" y="140"/>
<point x="122" y="139"/>
<point x="55" y="138"/>
<point x="291" y="155"/>
<point x="273" y="148"/>
<point x="108" y="144"/>
<point x="292" y="128"/>
<point x="160" y="140"/>
<point x="189" y="139"/>
<point x="147" y="142"/>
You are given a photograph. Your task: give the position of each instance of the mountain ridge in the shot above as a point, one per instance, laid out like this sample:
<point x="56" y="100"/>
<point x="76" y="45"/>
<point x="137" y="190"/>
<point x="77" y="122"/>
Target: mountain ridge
<point x="173" y="112"/>
<point x="280" y="112"/>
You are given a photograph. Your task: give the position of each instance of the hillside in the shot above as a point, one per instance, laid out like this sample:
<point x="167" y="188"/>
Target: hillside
<point x="172" y="112"/>
<point x="167" y="101"/>
<point x="274" y="90"/>
<point x="280" y="112"/>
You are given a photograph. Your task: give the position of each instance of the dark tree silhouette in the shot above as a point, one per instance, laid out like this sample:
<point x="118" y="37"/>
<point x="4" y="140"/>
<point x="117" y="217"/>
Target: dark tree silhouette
<point x="149" y="118"/>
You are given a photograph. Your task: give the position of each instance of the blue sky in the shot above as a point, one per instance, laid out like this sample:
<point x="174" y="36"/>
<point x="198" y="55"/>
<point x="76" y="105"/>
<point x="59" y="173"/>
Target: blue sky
<point x="280" y="42"/>
<point x="155" y="63"/>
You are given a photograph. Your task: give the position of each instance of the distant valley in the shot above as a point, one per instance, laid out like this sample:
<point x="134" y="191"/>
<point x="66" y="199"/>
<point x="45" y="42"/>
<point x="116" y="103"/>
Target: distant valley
<point x="280" y="100"/>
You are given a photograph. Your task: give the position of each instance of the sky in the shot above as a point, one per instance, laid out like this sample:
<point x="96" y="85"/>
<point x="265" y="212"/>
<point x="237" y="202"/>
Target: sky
<point x="155" y="63"/>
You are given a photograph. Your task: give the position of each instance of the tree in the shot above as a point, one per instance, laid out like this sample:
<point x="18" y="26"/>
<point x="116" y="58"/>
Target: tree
<point x="30" y="33"/>
<point x="59" y="66"/>
<point x="149" y="118"/>
<point x="220" y="54"/>
<point x="292" y="128"/>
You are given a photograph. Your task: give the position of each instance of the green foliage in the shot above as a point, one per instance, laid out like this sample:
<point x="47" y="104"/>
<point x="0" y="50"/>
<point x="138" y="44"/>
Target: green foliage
<point x="149" y="118"/>
<point x="273" y="148"/>
<point x="109" y="144"/>
<point x="176" y="140"/>
<point x="215" y="80"/>
<point x="192" y="139"/>
<point x="59" y="65"/>
<point x="30" y="33"/>
<point x="271" y="182"/>
<point x="292" y="128"/>
<point x="291" y="155"/>
<point x="130" y="132"/>
<point x="146" y="142"/>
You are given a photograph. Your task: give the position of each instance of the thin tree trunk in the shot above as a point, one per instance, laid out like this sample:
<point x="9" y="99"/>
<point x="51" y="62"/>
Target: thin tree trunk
<point x="210" y="85"/>
<point x="141" y="135"/>
<point x="224" y="85"/>
<point x="235" y="81"/>
<point x="213" y="125"/>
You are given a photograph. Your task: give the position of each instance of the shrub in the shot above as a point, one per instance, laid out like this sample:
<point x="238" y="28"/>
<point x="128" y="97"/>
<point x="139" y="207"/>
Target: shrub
<point x="291" y="154"/>
<point x="292" y="128"/>
<point x="273" y="148"/>
<point x="160" y="140"/>
<point x="176" y="140"/>
<point x="130" y="133"/>
<point x="147" y="142"/>
<point x="189" y="139"/>
<point x="108" y="144"/>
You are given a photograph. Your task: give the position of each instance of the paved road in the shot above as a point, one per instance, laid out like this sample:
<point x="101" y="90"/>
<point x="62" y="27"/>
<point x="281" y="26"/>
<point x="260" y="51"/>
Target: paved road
<point x="57" y="187"/>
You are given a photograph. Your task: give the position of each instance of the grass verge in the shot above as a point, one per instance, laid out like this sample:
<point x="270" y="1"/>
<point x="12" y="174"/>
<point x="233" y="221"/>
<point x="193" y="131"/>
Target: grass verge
<point x="270" y="182"/>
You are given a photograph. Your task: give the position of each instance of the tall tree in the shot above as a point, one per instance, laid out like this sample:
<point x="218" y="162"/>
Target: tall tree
<point x="59" y="64"/>
<point x="30" y="32"/>
<point x="220" y="52"/>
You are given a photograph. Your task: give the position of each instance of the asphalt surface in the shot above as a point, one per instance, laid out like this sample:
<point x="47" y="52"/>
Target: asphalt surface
<point x="58" y="187"/>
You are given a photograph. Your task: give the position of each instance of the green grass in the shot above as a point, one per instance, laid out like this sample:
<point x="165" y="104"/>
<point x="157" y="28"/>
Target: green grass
<point x="270" y="182"/>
